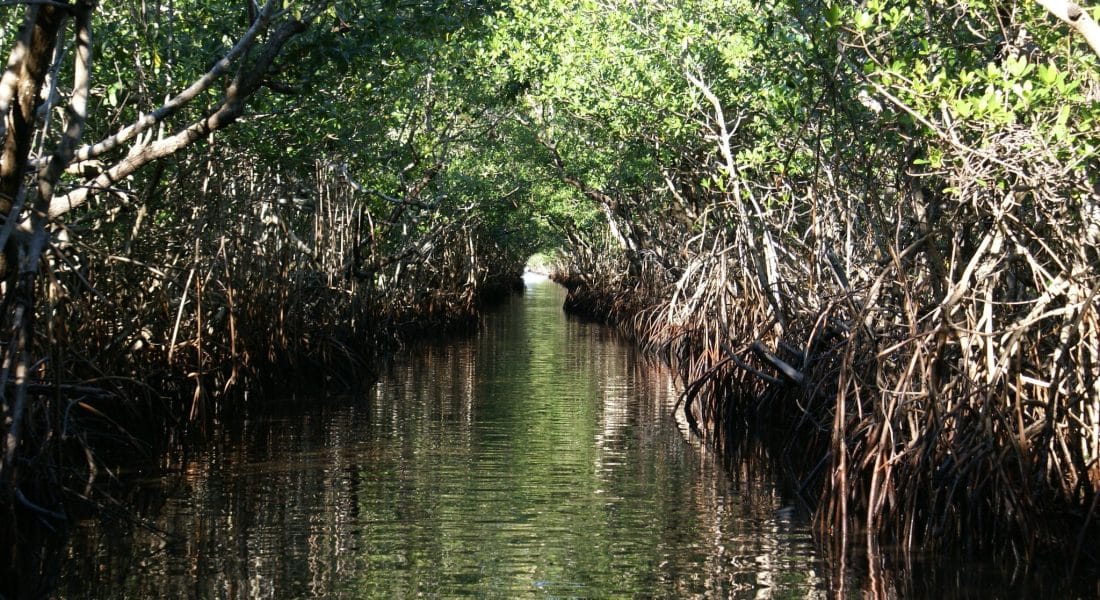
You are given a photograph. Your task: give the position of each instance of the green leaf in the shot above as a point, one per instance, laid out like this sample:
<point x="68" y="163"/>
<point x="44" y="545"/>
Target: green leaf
<point x="1048" y="74"/>
<point x="864" y="20"/>
<point x="963" y="108"/>
<point x="1063" y="117"/>
<point x="1016" y="65"/>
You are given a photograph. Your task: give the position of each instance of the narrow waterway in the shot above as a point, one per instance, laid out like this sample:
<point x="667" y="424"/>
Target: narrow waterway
<point x="535" y="459"/>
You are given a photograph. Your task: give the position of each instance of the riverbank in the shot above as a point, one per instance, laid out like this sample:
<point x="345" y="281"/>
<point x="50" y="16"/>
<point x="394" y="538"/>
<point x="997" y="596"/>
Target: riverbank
<point x="956" y="489"/>
<point x="110" y="425"/>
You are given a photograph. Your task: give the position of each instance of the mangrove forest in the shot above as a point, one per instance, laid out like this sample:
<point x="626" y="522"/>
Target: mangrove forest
<point x="854" y="245"/>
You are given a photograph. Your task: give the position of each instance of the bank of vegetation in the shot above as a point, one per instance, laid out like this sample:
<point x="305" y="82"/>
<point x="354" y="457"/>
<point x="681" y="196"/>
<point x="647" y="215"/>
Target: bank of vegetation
<point x="870" y="230"/>
<point x="206" y="200"/>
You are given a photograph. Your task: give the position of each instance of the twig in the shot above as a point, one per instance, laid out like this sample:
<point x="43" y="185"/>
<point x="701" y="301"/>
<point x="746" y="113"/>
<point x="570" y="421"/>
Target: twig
<point x="791" y="373"/>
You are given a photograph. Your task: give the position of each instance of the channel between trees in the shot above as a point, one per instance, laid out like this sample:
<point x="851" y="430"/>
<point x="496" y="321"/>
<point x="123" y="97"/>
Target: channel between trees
<point x="871" y="230"/>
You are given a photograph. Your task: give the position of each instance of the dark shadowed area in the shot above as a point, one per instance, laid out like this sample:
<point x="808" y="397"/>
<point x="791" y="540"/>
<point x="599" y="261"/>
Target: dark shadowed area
<point x="536" y="458"/>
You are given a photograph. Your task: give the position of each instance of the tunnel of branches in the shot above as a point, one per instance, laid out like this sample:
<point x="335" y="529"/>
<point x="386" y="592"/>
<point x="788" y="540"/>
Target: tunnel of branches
<point x="864" y="233"/>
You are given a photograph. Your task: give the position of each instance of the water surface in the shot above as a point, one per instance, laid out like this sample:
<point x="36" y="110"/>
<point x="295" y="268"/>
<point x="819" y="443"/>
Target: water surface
<point x="537" y="458"/>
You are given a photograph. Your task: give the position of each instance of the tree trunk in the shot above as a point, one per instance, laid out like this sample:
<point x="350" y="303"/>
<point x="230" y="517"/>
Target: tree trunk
<point x="20" y="90"/>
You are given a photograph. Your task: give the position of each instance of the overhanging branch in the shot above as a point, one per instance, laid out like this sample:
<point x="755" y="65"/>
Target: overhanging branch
<point x="1076" y="17"/>
<point x="201" y="84"/>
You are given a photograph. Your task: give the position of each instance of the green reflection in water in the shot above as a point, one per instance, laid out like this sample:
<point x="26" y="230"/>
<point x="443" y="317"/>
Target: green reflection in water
<point x="536" y="459"/>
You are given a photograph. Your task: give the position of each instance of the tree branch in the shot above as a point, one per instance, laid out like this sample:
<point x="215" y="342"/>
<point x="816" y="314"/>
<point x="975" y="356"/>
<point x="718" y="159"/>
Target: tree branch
<point x="1077" y="18"/>
<point x="200" y="85"/>
<point x="77" y="111"/>
<point x="240" y="89"/>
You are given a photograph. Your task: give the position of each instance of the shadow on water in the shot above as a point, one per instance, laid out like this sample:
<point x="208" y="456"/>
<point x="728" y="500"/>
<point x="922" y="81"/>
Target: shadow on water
<point x="536" y="458"/>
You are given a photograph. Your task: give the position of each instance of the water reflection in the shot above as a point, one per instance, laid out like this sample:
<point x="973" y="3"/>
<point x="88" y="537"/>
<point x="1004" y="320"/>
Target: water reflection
<point x="536" y="459"/>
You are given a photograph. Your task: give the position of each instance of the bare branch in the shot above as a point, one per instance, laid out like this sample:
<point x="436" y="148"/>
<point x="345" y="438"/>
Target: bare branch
<point x="200" y="85"/>
<point x="1077" y="18"/>
<point x="232" y="106"/>
<point x="78" y="114"/>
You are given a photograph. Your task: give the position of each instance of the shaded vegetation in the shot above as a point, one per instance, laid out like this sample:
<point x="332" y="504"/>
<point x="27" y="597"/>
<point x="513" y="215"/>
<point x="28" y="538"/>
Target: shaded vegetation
<point x="873" y="225"/>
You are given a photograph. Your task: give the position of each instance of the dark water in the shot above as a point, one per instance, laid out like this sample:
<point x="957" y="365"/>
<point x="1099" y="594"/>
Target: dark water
<point x="536" y="459"/>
